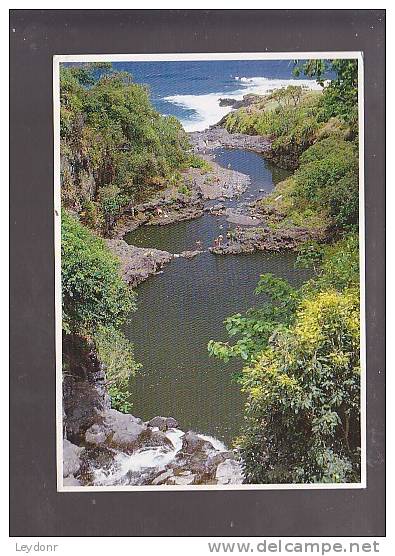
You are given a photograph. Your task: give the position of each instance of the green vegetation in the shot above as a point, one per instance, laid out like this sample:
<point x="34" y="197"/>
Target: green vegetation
<point x="302" y="374"/>
<point x="96" y="303"/>
<point x="301" y="347"/>
<point x="341" y="94"/>
<point x="116" y="149"/>
<point x="290" y="120"/>
<point x="323" y="191"/>
<point x="93" y="292"/>
<point x="315" y="134"/>
<point x="116" y="353"/>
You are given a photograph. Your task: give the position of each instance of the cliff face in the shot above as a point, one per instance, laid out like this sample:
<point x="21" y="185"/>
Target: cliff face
<point x="103" y="446"/>
<point x="84" y="388"/>
<point x="77" y="180"/>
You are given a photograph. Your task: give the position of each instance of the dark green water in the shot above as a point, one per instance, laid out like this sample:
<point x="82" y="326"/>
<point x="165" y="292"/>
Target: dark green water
<point x="183" y="308"/>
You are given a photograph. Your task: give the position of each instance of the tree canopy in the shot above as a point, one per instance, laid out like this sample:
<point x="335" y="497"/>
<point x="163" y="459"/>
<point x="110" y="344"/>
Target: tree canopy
<point x="112" y="138"/>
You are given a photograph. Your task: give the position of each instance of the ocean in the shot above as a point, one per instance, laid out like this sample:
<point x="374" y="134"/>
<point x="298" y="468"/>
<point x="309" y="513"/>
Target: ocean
<point x="190" y="90"/>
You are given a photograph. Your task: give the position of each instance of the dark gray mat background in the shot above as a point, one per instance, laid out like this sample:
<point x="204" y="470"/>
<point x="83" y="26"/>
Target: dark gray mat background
<point x="36" y="508"/>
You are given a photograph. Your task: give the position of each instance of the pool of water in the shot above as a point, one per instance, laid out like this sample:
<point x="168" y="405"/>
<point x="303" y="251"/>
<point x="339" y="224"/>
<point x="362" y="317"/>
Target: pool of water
<point x="181" y="236"/>
<point x="184" y="307"/>
<point x="264" y="175"/>
<point x="178" y="312"/>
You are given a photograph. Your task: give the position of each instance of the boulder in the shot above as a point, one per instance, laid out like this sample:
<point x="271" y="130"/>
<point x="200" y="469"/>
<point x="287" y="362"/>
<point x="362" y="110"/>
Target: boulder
<point x="192" y="443"/>
<point x="229" y="472"/>
<point x="227" y="101"/>
<point x="163" y="423"/>
<point x="184" y="478"/>
<point x="158" y="422"/>
<point x="162" y="477"/>
<point x="171" y="423"/>
<point x="71" y="458"/>
<point x="71" y="481"/>
<point x="96" y="435"/>
<point x="154" y="439"/>
<point x="117" y="430"/>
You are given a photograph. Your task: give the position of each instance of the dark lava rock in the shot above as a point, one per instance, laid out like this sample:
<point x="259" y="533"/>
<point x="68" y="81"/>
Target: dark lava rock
<point x="159" y="422"/>
<point x="171" y="423"/>
<point x="163" y="423"/>
<point x="153" y="439"/>
<point x="227" y="101"/>
<point x="217" y="137"/>
<point x="138" y="263"/>
<point x="247" y="100"/>
<point x="84" y="390"/>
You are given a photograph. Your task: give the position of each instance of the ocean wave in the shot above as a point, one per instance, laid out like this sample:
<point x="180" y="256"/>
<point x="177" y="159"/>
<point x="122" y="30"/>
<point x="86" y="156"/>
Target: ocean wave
<point x="206" y="110"/>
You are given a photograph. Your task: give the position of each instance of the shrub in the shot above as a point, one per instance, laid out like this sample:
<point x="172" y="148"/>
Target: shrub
<point x="256" y="327"/>
<point x="116" y="353"/>
<point x="93" y="292"/>
<point x="291" y="125"/>
<point x="302" y="376"/>
<point x="303" y="408"/>
<point x="328" y="176"/>
<point x="110" y="131"/>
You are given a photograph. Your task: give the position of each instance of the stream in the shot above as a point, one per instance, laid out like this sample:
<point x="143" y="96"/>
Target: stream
<point x="184" y="307"/>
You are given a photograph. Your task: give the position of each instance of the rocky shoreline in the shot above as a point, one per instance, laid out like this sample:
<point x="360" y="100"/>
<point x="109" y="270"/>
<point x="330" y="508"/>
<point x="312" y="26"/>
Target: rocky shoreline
<point x="102" y="446"/>
<point x="248" y="240"/>
<point x="138" y="263"/>
<point x="170" y="207"/>
<point x="216" y="137"/>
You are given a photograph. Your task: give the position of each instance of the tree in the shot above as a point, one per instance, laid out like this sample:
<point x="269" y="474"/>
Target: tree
<point x="341" y="93"/>
<point x="111" y="135"/>
<point x="303" y="409"/>
<point x="255" y="328"/>
<point x="93" y="292"/>
<point x="96" y="303"/>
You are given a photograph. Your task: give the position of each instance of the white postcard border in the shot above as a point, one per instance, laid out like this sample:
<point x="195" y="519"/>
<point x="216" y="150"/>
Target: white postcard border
<point x="57" y="60"/>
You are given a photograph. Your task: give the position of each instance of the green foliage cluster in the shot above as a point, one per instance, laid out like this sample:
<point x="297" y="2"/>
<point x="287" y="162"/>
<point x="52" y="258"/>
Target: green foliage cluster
<point x="302" y="374"/>
<point x="255" y="328"/>
<point x="341" y="93"/>
<point x="328" y="177"/>
<point x="96" y="303"/>
<point x="109" y="130"/>
<point x="116" y="353"/>
<point x="93" y="291"/>
<point x="292" y="124"/>
<point x="323" y="192"/>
